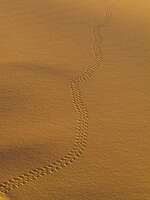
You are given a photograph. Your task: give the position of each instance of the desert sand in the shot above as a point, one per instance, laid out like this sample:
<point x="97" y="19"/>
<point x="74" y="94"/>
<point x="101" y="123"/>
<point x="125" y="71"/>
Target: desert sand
<point x="74" y="100"/>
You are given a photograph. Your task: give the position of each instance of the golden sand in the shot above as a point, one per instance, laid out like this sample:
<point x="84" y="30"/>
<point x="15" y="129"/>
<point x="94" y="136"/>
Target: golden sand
<point x="74" y="100"/>
<point x="3" y="197"/>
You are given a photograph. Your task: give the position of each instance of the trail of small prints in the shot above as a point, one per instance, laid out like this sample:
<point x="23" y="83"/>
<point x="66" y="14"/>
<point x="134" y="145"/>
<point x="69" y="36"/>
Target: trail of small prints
<point x="81" y="138"/>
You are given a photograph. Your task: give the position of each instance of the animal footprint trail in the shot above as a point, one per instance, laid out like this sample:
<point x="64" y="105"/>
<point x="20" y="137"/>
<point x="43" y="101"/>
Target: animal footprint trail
<point x="81" y="138"/>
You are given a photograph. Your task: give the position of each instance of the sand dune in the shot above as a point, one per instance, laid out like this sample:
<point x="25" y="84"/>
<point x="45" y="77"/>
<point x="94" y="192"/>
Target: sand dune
<point x="74" y="100"/>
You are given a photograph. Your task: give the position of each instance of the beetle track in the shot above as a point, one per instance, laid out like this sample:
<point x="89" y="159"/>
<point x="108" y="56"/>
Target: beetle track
<point x="82" y="121"/>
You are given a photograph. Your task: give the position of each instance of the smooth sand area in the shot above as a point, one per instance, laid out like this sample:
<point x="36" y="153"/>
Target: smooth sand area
<point x="75" y="100"/>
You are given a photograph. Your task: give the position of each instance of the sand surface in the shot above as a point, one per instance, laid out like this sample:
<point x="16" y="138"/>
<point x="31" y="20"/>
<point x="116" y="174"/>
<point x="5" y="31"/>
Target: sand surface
<point x="75" y="100"/>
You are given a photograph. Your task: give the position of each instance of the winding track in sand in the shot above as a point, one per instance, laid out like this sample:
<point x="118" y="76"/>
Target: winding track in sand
<point x="81" y="138"/>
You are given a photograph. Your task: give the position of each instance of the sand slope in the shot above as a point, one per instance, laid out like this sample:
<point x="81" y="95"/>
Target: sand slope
<point x="66" y="79"/>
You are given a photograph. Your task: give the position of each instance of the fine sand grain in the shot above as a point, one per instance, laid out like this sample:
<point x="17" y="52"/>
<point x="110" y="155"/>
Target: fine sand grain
<point x="74" y="100"/>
